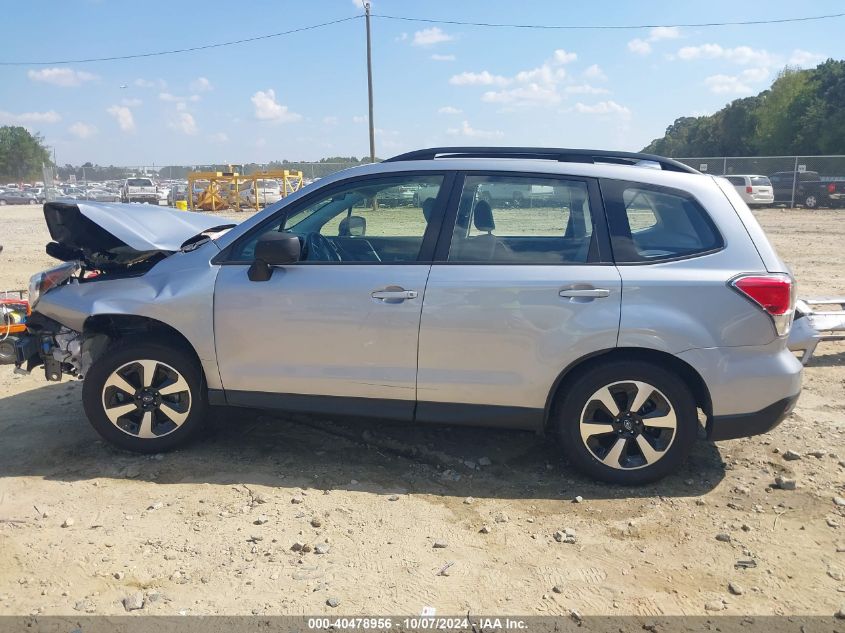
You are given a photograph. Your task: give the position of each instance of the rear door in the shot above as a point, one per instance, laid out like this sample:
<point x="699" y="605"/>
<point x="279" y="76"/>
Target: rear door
<point x="522" y="286"/>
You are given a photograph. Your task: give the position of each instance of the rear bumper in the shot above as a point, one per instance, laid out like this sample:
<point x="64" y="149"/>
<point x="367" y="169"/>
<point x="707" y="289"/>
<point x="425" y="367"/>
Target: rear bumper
<point x="729" y="427"/>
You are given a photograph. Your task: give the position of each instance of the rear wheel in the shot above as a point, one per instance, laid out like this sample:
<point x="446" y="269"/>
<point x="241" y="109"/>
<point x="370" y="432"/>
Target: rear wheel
<point x="145" y="397"/>
<point x="811" y="202"/>
<point x="627" y="422"/>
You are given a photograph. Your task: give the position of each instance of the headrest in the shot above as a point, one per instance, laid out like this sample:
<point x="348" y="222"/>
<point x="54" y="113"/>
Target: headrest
<point x="428" y="208"/>
<point x="482" y="217"/>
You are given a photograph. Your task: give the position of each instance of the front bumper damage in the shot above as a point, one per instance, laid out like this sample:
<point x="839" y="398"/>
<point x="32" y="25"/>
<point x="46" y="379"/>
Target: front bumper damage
<point x="59" y="349"/>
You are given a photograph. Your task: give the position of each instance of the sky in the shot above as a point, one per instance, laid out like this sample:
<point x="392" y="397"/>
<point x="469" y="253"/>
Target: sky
<point x="304" y="96"/>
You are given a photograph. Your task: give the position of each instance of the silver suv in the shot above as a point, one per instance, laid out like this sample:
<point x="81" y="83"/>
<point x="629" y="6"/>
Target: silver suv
<point x="621" y="303"/>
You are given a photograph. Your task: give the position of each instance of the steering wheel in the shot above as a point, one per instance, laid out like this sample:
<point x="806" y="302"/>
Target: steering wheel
<point x="319" y="249"/>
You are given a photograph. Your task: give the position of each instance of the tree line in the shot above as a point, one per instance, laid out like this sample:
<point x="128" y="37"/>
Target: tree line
<point x="802" y="113"/>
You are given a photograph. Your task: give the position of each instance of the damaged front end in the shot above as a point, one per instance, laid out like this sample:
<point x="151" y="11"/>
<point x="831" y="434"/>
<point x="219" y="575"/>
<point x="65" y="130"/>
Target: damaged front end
<point x="97" y="242"/>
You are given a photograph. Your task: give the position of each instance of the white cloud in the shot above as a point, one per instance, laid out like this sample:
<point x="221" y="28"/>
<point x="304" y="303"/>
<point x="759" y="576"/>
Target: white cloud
<point x="585" y="89"/>
<point x="51" y="116"/>
<point x="544" y="74"/>
<point x="743" y="55"/>
<point x="443" y="58"/>
<point x="467" y="130"/>
<point x="201" y="84"/>
<point x="529" y="94"/>
<point x="330" y="120"/>
<point x="123" y="116"/>
<point x="166" y="96"/>
<point x="664" y="33"/>
<point x="185" y="123"/>
<point x="65" y="77"/>
<point x="82" y="130"/>
<point x="595" y="72"/>
<point x="131" y="103"/>
<point x="268" y="109"/>
<point x="603" y="107"/>
<point x="449" y="110"/>
<point x="220" y="137"/>
<point x="429" y="37"/>
<point x="483" y="78"/>
<point x="359" y="4"/>
<point x="736" y="84"/>
<point x="562" y="57"/>
<point x="639" y="46"/>
<point x="805" y="58"/>
<point x="359" y="119"/>
<point x="161" y="84"/>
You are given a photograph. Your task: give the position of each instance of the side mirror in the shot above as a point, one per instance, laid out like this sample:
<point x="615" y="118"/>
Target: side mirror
<point x="273" y="249"/>
<point x="353" y="226"/>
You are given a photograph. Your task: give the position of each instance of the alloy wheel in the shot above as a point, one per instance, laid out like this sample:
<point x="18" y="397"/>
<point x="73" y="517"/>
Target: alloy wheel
<point x="146" y="399"/>
<point x="628" y="425"/>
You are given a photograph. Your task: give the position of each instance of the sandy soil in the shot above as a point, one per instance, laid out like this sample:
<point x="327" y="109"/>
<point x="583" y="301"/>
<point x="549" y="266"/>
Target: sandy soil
<point x="209" y="530"/>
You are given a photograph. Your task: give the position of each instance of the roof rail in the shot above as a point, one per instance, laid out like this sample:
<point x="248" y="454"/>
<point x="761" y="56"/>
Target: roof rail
<point x="561" y="155"/>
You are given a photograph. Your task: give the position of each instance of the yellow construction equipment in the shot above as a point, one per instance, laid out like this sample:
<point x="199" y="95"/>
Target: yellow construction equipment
<point x="223" y="188"/>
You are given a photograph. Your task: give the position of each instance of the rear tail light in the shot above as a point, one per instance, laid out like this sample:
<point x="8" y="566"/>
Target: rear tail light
<point x="748" y="189"/>
<point x="773" y="293"/>
<point x="831" y="188"/>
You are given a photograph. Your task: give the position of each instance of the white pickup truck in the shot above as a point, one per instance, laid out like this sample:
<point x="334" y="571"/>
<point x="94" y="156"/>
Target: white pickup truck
<point x="139" y="190"/>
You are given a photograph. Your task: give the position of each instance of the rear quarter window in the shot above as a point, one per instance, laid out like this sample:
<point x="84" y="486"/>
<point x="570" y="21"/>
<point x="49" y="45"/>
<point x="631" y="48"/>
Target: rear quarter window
<point x="737" y="181"/>
<point x="650" y="223"/>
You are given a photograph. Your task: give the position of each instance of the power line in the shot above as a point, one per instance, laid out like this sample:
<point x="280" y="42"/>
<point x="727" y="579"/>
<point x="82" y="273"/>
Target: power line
<point x="595" y="27"/>
<point x="598" y="27"/>
<point x="180" y="50"/>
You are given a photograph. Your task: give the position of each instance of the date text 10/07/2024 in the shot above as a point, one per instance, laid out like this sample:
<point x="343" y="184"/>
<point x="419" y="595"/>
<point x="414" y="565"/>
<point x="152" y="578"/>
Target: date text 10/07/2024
<point x="417" y="623"/>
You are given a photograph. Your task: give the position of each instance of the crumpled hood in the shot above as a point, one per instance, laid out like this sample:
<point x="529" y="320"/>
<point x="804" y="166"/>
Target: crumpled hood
<point x="110" y="234"/>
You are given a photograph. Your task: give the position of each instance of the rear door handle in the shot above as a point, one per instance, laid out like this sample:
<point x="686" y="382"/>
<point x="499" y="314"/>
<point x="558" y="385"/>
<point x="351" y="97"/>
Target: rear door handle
<point x="595" y="293"/>
<point x="394" y="295"/>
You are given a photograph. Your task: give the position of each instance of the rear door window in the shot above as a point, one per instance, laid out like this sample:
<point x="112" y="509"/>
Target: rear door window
<point x="737" y="181"/>
<point x="652" y="223"/>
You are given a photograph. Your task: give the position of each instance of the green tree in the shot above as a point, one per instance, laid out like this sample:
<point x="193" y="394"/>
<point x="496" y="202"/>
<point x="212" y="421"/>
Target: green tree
<point x="21" y="153"/>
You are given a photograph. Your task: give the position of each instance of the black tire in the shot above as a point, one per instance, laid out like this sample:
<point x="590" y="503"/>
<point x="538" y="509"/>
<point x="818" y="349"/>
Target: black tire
<point x="94" y="393"/>
<point x="811" y="201"/>
<point x="573" y="401"/>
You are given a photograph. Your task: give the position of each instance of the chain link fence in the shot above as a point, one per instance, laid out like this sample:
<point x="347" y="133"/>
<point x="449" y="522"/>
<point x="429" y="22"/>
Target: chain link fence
<point x="809" y="181"/>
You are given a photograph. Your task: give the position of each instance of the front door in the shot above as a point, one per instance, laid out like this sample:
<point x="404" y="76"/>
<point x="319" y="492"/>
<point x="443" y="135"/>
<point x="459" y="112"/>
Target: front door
<point x="526" y="288"/>
<point x="337" y="331"/>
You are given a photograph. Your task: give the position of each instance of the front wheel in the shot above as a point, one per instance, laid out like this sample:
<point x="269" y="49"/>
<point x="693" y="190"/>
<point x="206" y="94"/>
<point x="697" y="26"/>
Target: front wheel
<point x="627" y="422"/>
<point x="145" y="397"/>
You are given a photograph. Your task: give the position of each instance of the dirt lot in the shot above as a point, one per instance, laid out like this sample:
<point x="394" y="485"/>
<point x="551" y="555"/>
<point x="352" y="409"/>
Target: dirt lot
<point x="210" y="530"/>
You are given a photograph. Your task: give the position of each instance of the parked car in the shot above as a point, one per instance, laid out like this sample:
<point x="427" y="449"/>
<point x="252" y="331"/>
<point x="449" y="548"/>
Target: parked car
<point x="12" y="196"/>
<point x="101" y="195"/>
<point x="139" y="190"/>
<point x="607" y="321"/>
<point x="756" y="191"/>
<point x="810" y="191"/>
<point x="269" y="192"/>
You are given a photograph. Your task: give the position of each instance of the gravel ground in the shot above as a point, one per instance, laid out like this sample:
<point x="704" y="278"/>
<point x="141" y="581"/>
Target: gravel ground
<point x="279" y="515"/>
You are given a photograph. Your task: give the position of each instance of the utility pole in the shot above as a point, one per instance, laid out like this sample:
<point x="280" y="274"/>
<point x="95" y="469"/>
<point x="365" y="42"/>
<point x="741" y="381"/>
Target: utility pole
<point x="370" y="83"/>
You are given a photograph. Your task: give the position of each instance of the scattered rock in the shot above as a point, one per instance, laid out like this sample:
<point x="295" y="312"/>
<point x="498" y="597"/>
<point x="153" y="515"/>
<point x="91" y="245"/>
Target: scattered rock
<point x="700" y="502"/>
<point x="156" y="506"/>
<point x="817" y="454"/>
<point x="831" y="522"/>
<point x="296" y="500"/>
<point x="297" y="547"/>
<point x="440" y="544"/>
<point x="791" y="456"/>
<point x="484" y="461"/>
<point x="501" y="517"/>
<point x="469" y="500"/>
<point x="558" y="588"/>
<point x="840" y="615"/>
<point x="68" y="522"/>
<point x="321" y="548"/>
<point x="316" y="522"/>
<point x="393" y="498"/>
<point x="578" y="499"/>
<point x="724" y="538"/>
<point x="134" y="601"/>
<point x="485" y="529"/>
<point x="837" y="575"/>
<point x="839" y="501"/>
<point x="714" y="605"/>
<point x="306" y="548"/>
<point x="785" y="483"/>
<point x="333" y="602"/>
<point x="259" y="497"/>
<point x="261" y="520"/>
<point x="119" y="575"/>
<point x="736" y="589"/>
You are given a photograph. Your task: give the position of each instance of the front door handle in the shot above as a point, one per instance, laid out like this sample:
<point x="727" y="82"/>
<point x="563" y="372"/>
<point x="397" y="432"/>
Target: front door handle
<point x="593" y="293"/>
<point x="393" y="294"/>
